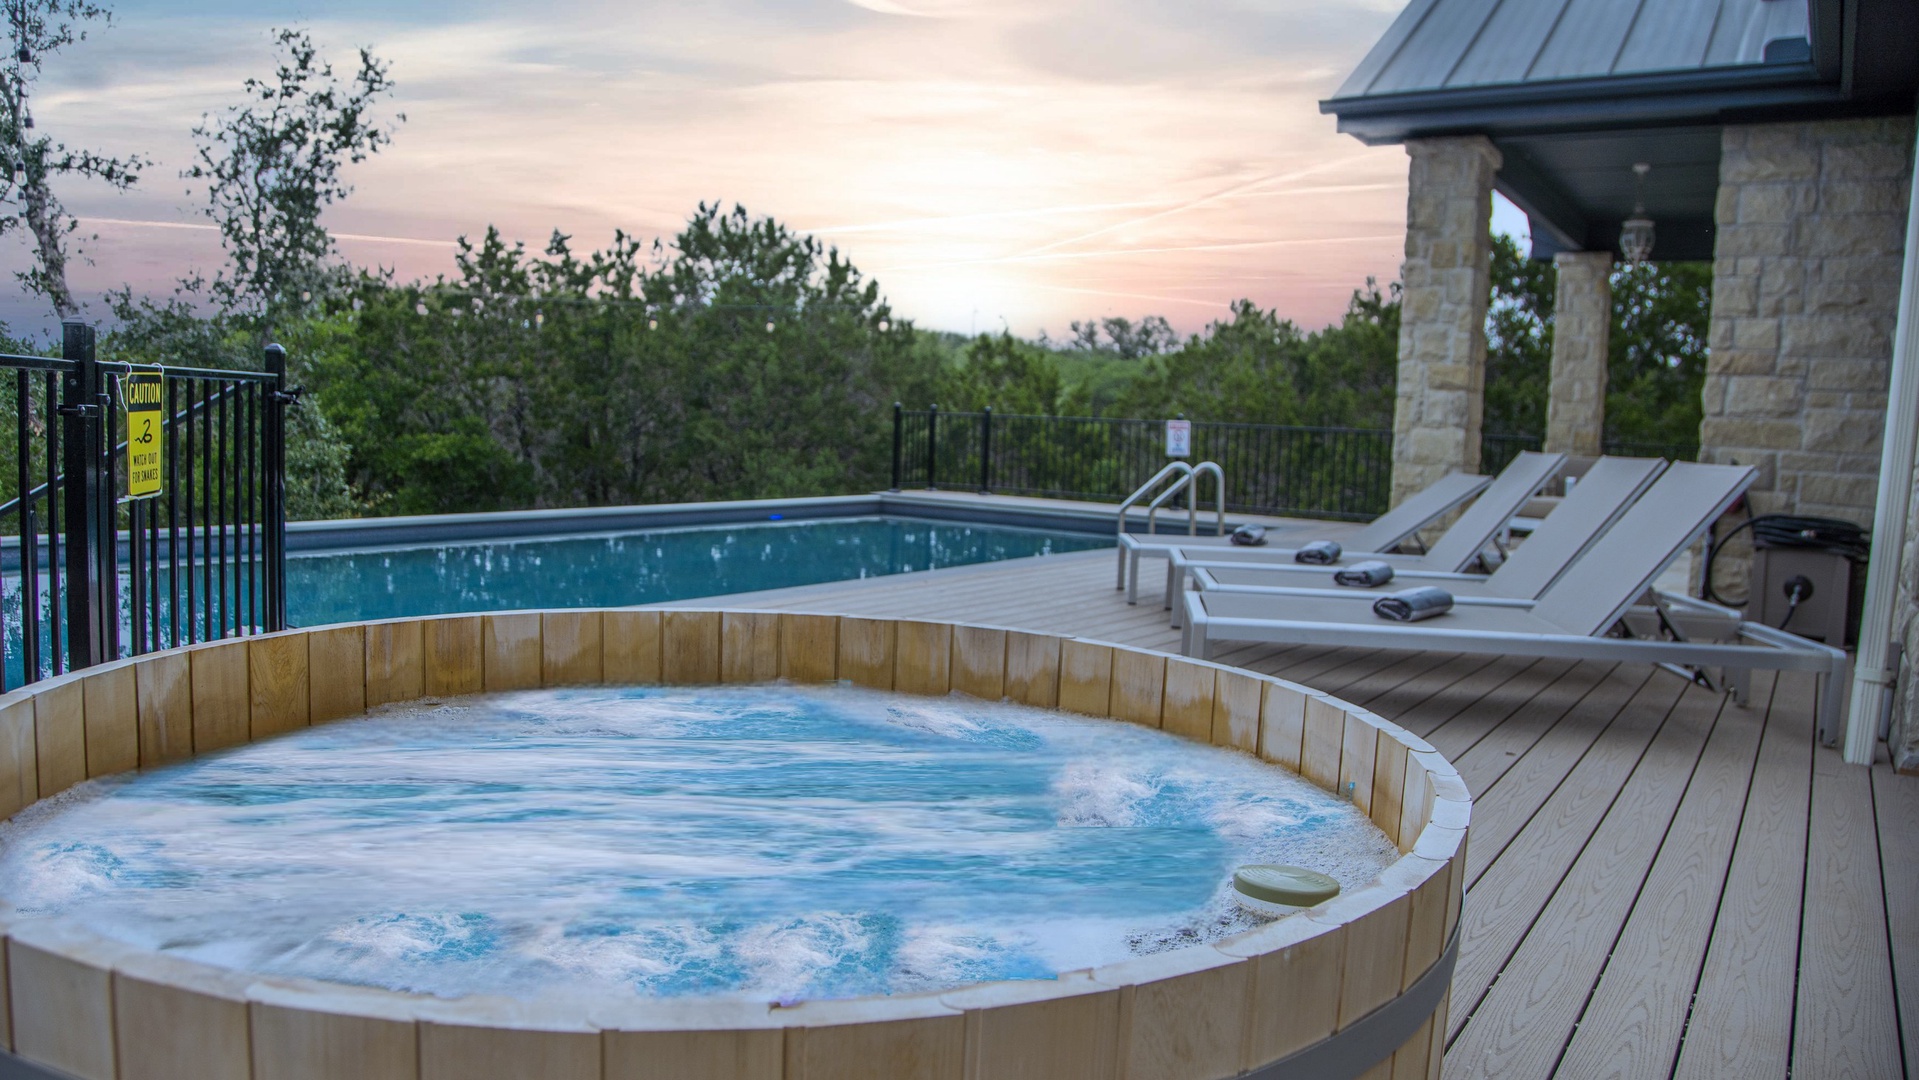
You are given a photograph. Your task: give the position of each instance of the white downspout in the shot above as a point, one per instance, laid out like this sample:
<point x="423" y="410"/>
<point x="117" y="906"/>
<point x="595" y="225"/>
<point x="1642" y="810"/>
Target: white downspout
<point x="1871" y="682"/>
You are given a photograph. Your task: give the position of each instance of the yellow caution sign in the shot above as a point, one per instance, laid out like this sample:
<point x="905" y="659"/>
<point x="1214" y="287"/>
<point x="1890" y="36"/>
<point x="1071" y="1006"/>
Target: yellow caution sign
<point x="143" y="394"/>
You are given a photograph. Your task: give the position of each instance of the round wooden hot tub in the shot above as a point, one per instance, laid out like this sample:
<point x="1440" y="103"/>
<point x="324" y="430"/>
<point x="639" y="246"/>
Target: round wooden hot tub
<point x="1356" y="984"/>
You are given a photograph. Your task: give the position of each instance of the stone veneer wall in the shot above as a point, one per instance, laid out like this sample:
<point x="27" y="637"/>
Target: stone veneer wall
<point x="1442" y="328"/>
<point x="1811" y="231"/>
<point x="1582" y="332"/>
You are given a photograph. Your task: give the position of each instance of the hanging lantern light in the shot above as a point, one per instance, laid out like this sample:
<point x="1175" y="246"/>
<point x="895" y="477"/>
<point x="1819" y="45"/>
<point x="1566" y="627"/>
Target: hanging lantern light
<point x="1636" y="232"/>
<point x="420" y="308"/>
<point x="539" y="318"/>
<point x="652" y="324"/>
<point x="769" y="326"/>
<point x="885" y="326"/>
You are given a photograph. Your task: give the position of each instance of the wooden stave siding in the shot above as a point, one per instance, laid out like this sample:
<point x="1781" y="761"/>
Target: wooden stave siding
<point x="1132" y="1019"/>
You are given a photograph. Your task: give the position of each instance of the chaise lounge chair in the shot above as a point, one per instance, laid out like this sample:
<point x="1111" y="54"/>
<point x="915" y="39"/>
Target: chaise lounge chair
<point x="1568" y="621"/>
<point x="1384" y="532"/>
<point x="1609" y="489"/>
<point x="1492" y="511"/>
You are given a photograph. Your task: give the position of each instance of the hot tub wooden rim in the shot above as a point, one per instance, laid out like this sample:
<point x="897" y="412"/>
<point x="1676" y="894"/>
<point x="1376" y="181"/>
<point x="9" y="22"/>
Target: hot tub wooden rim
<point x="1383" y="940"/>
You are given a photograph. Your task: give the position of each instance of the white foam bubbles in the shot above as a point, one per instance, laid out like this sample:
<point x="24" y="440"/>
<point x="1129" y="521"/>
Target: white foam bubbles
<point x="765" y="843"/>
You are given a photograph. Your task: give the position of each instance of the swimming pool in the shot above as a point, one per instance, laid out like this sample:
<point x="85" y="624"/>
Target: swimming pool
<point x="615" y="569"/>
<point x="649" y="567"/>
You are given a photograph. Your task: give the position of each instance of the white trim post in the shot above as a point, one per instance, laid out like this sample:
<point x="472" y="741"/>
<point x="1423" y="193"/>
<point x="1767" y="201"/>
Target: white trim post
<point x="1871" y="682"/>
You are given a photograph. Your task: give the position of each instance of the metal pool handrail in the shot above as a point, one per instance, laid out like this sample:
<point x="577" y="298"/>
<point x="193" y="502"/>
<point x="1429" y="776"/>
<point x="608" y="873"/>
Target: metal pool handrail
<point x="1139" y="493"/>
<point x="1191" y="479"/>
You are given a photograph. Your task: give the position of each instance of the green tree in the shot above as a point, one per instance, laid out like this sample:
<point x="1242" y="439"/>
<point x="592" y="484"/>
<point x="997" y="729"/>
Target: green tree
<point x="1656" y="370"/>
<point x="741" y="360"/>
<point x="272" y="164"/>
<point x="1657" y="349"/>
<point x="1258" y="368"/>
<point x="1519" y="340"/>
<point x="1011" y="375"/>
<point x="31" y="160"/>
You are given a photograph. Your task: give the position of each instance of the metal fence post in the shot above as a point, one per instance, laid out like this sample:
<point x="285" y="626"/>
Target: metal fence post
<point x="932" y="447"/>
<point x="87" y="608"/>
<point x="986" y="451"/>
<point x="899" y="435"/>
<point x="273" y="452"/>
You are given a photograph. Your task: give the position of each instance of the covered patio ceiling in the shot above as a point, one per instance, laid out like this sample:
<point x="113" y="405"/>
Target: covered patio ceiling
<point x="1575" y="92"/>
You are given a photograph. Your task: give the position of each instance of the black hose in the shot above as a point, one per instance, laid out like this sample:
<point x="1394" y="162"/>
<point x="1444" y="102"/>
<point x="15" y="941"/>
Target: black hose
<point x="1829" y="535"/>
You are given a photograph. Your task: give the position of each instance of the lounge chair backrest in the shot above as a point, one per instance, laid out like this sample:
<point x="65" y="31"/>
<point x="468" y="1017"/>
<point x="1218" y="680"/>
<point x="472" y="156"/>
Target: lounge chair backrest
<point x="1493" y="510"/>
<point x="1442" y="496"/>
<point x="1622" y="564"/>
<point x="1609" y="486"/>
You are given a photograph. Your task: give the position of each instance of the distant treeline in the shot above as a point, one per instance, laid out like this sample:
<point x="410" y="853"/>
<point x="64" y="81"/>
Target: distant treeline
<point x="744" y="360"/>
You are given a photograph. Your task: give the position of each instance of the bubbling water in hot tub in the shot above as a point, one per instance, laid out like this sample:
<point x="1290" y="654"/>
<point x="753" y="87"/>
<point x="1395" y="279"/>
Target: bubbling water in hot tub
<point x="769" y="843"/>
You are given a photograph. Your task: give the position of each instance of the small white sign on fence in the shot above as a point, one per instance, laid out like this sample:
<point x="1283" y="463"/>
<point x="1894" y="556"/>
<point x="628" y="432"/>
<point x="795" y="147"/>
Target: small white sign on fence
<point x="1179" y="438"/>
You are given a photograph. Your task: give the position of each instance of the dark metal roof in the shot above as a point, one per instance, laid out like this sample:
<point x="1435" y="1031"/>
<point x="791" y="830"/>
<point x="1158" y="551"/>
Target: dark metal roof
<point x="1573" y="92"/>
<point x="1447" y="44"/>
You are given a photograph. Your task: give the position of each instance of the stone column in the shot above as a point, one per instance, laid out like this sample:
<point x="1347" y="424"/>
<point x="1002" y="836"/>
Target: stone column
<point x="1447" y="277"/>
<point x="1582" y="327"/>
<point x="1806" y="265"/>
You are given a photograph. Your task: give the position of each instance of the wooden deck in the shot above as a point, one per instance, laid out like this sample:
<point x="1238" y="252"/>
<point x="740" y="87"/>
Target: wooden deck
<point x="1660" y="883"/>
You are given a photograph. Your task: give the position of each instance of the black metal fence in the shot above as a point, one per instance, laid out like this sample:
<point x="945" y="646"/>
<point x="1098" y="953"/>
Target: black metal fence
<point x="89" y="574"/>
<point x="1497" y="449"/>
<point x="1324" y="472"/>
<point x="1270" y="469"/>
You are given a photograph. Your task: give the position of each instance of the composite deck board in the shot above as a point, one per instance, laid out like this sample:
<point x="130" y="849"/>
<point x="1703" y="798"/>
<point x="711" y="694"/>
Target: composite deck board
<point x="1485" y="757"/>
<point x="1409" y="669"/>
<point x="1845" y="1022"/>
<point x="1497" y="688"/>
<point x="1528" y="1016"/>
<point x="1508" y="895"/>
<point x="1632" y="1025"/>
<point x="1741" y="1023"/>
<point x="1398" y="700"/>
<point x="1527" y="783"/>
<point x="1896" y="801"/>
<point x="1636" y="882"/>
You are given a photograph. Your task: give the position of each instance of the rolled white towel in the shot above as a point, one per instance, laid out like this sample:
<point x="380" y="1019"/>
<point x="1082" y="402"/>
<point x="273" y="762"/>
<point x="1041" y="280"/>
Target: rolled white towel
<point x="1317" y="553"/>
<point x="1412" y="605"/>
<point x="1364" y="575"/>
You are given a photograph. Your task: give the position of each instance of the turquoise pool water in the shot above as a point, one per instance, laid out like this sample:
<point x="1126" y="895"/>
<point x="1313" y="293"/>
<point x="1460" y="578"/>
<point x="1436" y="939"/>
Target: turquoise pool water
<point x="770" y="843"/>
<point x="616" y="570"/>
<point x="607" y="570"/>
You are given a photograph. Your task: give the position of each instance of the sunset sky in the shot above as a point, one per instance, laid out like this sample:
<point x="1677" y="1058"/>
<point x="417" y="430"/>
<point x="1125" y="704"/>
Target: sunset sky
<point x="1015" y="163"/>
